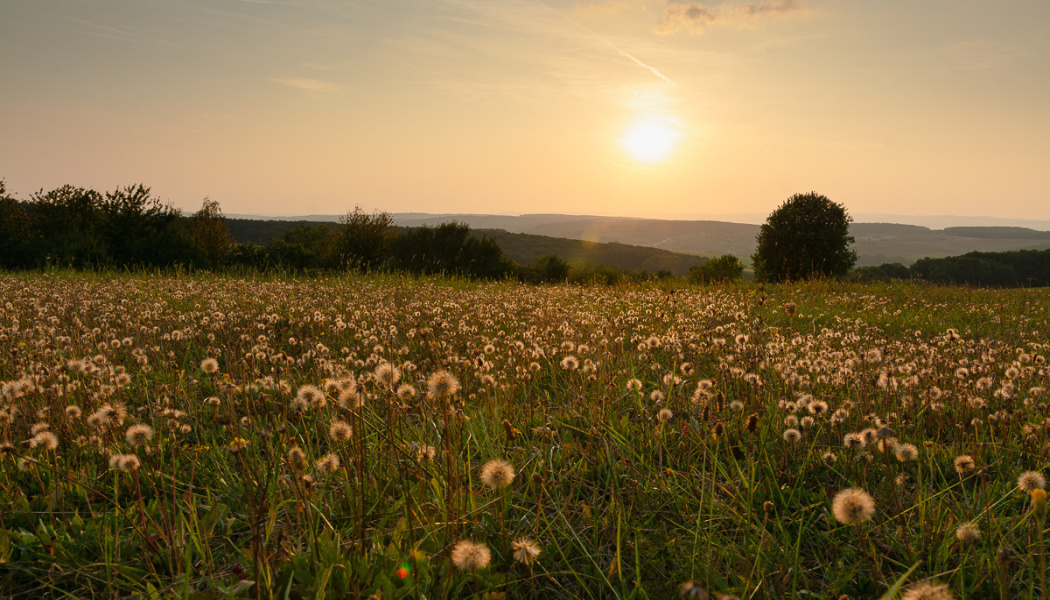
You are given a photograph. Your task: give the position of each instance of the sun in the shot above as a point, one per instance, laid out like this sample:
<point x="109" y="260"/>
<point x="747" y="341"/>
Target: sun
<point x="650" y="140"/>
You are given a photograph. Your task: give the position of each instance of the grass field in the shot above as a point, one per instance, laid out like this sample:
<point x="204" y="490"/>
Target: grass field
<point x="202" y="437"/>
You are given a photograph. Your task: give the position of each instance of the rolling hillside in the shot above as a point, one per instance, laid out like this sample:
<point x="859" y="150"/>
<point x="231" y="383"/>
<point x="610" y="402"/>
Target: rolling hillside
<point x="876" y="243"/>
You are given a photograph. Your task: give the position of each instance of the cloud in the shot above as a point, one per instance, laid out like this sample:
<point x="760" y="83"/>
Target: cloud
<point x="313" y="85"/>
<point x="696" y="16"/>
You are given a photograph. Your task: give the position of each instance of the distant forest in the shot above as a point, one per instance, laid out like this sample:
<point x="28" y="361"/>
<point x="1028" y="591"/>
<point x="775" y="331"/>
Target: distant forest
<point x="1016" y="268"/>
<point x="73" y="227"/>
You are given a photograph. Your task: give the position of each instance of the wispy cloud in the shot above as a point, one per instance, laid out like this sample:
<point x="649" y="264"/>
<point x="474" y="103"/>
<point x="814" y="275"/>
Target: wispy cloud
<point x="313" y="85"/>
<point x="695" y="17"/>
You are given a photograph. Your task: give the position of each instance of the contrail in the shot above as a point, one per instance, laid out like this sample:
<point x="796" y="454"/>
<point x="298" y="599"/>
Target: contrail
<point x="641" y="64"/>
<point x="619" y="51"/>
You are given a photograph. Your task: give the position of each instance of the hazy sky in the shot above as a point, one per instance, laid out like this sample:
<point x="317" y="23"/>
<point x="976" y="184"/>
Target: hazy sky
<point x="610" y="107"/>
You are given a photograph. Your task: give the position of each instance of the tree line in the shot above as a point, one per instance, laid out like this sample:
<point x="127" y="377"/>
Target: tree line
<point x="74" y="227"/>
<point x="1015" y="268"/>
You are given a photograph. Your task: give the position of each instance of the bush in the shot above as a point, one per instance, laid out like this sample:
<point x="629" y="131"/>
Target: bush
<point x="724" y="268"/>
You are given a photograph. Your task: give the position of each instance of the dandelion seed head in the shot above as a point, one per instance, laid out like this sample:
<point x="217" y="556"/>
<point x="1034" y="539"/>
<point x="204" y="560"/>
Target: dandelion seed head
<point x="852" y="506"/>
<point x="45" y="439"/>
<point x="442" y="384"/>
<point x="964" y="464"/>
<point x="470" y="556"/>
<point x="927" y="591"/>
<point x="497" y="474"/>
<point x="967" y="532"/>
<point x="1030" y="480"/>
<point x="525" y="551"/>
<point x="139" y="434"/>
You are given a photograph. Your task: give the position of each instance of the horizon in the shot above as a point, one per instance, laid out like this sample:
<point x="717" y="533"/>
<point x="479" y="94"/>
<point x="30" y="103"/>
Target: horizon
<point x="933" y="222"/>
<point x="633" y="108"/>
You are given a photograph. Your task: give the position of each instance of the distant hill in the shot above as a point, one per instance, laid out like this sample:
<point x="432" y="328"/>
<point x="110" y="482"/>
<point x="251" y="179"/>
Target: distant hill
<point x="876" y="243"/>
<point x="523" y="248"/>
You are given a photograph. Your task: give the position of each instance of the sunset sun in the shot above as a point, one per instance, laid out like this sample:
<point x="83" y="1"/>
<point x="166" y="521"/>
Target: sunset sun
<point x="650" y="140"/>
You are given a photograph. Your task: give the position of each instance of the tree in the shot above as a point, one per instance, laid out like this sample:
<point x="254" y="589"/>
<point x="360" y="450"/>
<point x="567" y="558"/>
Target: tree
<point x="211" y="233"/>
<point x="362" y="239"/>
<point x="724" y="268"/>
<point x="807" y="236"/>
<point x="15" y="240"/>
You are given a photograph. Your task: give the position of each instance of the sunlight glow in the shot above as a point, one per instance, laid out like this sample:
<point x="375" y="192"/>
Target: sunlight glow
<point x="650" y="140"/>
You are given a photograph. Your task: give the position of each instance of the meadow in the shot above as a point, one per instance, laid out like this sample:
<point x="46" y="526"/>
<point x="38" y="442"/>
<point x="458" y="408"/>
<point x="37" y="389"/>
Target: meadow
<point x="383" y="437"/>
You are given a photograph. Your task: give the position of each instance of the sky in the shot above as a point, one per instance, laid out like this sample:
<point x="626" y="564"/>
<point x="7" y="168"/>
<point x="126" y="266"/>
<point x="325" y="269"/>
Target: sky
<point x="670" y="109"/>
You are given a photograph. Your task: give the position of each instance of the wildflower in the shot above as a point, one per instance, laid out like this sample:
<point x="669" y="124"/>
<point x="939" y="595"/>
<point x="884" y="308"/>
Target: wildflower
<point x="73" y="411"/>
<point x="736" y="405"/>
<point x="139" y="434"/>
<point x="906" y="452"/>
<point x="329" y="463"/>
<point x="470" y="556"/>
<point x="927" y="591"/>
<point x="1030" y="480"/>
<point x="664" y="415"/>
<point x="792" y="435"/>
<point x="46" y="439"/>
<point x="967" y="532"/>
<point x="442" y="384"/>
<point x="790" y="308"/>
<point x="852" y="506"/>
<point x="236" y="445"/>
<point x="964" y="464"/>
<point x="340" y="431"/>
<point x="791" y="421"/>
<point x="497" y="474"/>
<point x="212" y="401"/>
<point x="525" y="551"/>
<point x="210" y="366"/>
<point x="297" y="459"/>
<point x="570" y="363"/>
<point x="634" y="385"/>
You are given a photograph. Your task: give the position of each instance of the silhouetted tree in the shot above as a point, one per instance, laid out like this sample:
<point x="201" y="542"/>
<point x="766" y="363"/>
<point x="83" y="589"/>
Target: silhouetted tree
<point x="66" y="228"/>
<point x="552" y="269"/>
<point x="807" y="236"/>
<point x="361" y="242"/>
<point x="209" y="231"/>
<point x="15" y="246"/>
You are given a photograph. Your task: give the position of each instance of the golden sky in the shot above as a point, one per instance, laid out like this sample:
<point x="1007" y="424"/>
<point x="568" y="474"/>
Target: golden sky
<point x="606" y="107"/>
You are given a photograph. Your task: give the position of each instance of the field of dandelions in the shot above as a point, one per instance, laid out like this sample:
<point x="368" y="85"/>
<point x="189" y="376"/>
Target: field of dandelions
<point x="346" y="437"/>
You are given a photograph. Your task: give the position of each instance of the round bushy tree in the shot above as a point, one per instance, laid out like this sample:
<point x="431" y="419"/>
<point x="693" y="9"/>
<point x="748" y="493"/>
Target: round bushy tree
<point x="807" y="236"/>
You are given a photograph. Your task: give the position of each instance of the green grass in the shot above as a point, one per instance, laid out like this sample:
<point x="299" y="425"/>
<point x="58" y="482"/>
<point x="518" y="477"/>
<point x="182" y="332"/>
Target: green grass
<point x="620" y="503"/>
